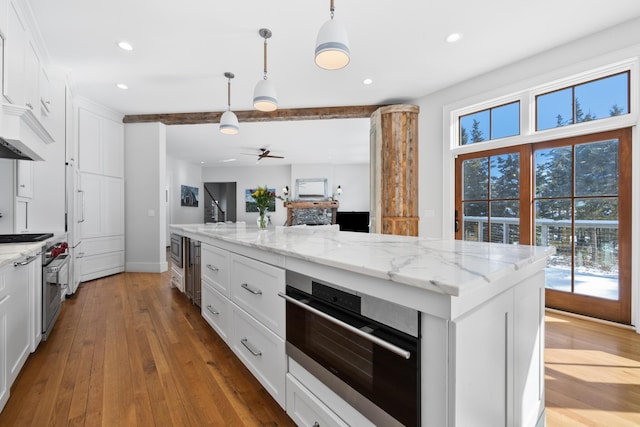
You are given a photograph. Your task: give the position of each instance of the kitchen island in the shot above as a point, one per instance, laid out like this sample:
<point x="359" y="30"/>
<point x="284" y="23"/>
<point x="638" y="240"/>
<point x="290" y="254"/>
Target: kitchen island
<point x="481" y="314"/>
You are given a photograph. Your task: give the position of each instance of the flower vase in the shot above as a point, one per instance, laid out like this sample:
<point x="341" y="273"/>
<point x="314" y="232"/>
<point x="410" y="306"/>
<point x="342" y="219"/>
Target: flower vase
<point x="262" y="218"/>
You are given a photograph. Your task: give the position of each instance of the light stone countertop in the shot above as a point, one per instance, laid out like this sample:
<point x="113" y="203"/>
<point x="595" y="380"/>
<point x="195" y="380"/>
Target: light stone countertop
<point x="11" y="252"/>
<point x="451" y="267"/>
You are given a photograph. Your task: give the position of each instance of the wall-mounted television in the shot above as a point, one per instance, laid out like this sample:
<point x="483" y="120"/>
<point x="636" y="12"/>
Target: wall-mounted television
<point x="312" y="188"/>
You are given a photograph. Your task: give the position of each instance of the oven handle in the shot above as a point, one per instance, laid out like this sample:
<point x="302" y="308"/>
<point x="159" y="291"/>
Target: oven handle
<point x="382" y="343"/>
<point x="28" y="260"/>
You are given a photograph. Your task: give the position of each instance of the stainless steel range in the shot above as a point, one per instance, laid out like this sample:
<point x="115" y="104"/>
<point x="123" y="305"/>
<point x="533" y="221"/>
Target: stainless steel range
<point x="55" y="275"/>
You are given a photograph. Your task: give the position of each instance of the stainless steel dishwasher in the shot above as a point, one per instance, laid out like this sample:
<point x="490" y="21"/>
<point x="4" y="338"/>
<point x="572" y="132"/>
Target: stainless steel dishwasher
<point x="193" y="285"/>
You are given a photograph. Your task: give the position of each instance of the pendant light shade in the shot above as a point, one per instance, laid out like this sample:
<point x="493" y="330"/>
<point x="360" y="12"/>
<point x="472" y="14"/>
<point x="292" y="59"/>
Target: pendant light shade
<point x="229" y="121"/>
<point x="264" y="95"/>
<point x="332" y="45"/>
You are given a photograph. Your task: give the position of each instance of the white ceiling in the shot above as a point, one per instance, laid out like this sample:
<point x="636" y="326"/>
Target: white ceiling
<point x="182" y="49"/>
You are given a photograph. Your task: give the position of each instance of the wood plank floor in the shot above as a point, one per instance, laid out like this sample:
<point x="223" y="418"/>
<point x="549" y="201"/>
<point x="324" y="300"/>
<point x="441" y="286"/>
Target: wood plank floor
<point x="129" y="351"/>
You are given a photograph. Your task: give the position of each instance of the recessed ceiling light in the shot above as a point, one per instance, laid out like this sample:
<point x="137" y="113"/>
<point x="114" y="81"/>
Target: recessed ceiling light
<point x="122" y="86"/>
<point x="453" y="37"/>
<point x="125" y="46"/>
<point x="228" y="160"/>
<point x="367" y="81"/>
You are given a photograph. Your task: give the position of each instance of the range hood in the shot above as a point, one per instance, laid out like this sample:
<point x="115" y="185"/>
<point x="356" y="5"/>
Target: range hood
<point x="22" y="136"/>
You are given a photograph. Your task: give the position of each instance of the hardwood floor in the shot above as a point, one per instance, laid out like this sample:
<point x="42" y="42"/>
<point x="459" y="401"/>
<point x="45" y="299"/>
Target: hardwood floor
<point x="128" y="350"/>
<point x="592" y="373"/>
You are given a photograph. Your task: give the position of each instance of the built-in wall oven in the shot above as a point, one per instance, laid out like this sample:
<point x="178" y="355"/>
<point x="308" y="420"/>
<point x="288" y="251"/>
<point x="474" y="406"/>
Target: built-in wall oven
<point x="176" y="250"/>
<point x="55" y="276"/>
<point x="365" y="349"/>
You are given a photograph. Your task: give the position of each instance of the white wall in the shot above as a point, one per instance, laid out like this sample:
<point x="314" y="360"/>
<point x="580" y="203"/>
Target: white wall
<point x="352" y="178"/>
<point x="249" y="177"/>
<point x="145" y="212"/>
<point x="184" y="173"/>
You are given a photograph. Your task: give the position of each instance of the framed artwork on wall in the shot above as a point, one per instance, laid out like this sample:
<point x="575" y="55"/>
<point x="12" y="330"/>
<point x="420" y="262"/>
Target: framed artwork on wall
<point x="188" y="196"/>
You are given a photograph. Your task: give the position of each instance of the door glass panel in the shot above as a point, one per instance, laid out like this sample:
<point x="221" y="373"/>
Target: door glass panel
<point x="554" y="173"/>
<point x="596" y="247"/>
<point x="597" y="169"/>
<point x="553" y="228"/>
<point x="475" y="178"/>
<point x="476" y="220"/>
<point x="505" y="176"/>
<point x="505" y="221"/>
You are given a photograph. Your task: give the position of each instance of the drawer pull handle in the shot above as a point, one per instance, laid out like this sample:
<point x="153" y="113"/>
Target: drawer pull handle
<point x="249" y="347"/>
<point x="248" y="289"/>
<point x="212" y="268"/>
<point x="212" y="310"/>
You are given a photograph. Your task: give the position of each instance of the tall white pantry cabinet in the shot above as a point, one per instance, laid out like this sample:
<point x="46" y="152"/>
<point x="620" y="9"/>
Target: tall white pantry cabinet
<point x="99" y="195"/>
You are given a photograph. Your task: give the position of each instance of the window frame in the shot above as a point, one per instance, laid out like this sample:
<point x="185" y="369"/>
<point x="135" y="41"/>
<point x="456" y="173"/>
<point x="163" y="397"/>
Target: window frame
<point x="527" y="98"/>
<point x="490" y="110"/>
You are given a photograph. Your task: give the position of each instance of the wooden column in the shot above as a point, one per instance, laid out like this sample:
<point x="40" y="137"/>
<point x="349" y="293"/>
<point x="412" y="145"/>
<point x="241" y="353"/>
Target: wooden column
<point x="394" y="170"/>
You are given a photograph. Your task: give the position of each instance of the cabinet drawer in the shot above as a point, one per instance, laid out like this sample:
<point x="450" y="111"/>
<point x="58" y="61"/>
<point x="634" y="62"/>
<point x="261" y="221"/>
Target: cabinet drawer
<point x="254" y="287"/>
<point x="261" y="351"/>
<point x="215" y="310"/>
<point x="103" y="245"/>
<point x="215" y="267"/>
<point x="306" y="410"/>
<point x="177" y="279"/>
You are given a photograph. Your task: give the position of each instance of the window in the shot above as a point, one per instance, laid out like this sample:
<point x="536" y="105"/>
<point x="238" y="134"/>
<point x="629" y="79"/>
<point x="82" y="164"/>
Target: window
<point x="489" y="124"/>
<point x="594" y="100"/>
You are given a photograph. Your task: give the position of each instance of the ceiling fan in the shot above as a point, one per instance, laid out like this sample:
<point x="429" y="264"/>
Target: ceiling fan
<point x="264" y="153"/>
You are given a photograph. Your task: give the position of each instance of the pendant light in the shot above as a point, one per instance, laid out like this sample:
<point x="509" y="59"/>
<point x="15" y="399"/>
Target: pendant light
<point x="229" y="121"/>
<point x="332" y="45"/>
<point x="264" y="95"/>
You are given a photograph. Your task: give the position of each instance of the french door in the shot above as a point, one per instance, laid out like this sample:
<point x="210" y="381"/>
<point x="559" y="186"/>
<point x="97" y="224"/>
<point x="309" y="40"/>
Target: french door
<point x="573" y="194"/>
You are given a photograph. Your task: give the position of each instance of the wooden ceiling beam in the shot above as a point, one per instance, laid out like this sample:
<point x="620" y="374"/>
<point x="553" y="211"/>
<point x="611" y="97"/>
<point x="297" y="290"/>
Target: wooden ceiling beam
<point x="292" y="114"/>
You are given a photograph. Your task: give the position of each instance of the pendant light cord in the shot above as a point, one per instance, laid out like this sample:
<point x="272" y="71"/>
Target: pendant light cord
<point x="265" y="58"/>
<point x="332" y="9"/>
<point x="229" y="94"/>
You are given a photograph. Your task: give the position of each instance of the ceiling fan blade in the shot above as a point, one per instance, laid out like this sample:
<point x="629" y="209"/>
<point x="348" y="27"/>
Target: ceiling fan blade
<point x="275" y="157"/>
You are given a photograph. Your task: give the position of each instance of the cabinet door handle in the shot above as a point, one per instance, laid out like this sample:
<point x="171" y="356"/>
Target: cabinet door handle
<point x="246" y="287"/>
<point x="245" y="343"/>
<point x="82" y="193"/>
<point x="28" y="260"/>
<point x="316" y="424"/>
<point x="213" y="268"/>
<point x="210" y="308"/>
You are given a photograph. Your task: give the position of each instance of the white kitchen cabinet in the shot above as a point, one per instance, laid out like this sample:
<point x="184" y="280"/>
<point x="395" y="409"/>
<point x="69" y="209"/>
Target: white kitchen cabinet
<point x="101" y="225"/>
<point x="17" y="309"/>
<point x="305" y="409"/>
<point x="35" y="300"/>
<point x="255" y="286"/>
<point x="215" y="268"/>
<point x="24" y="178"/>
<point x="14" y="60"/>
<point x="101" y="144"/>
<point x="5" y="302"/>
<point x="216" y="310"/>
<point x="22" y="209"/>
<point x="18" y="342"/>
<point x="177" y="278"/>
<point x="46" y="103"/>
<point x="261" y="351"/>
<point x="32" y="80"/>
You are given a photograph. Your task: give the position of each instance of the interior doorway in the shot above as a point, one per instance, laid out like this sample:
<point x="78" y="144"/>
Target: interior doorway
<point x="220" y="204"/>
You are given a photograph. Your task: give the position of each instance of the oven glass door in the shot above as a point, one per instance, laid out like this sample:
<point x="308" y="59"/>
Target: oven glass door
<point x="176" y="250"/>
<point x="389" y="381"/>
